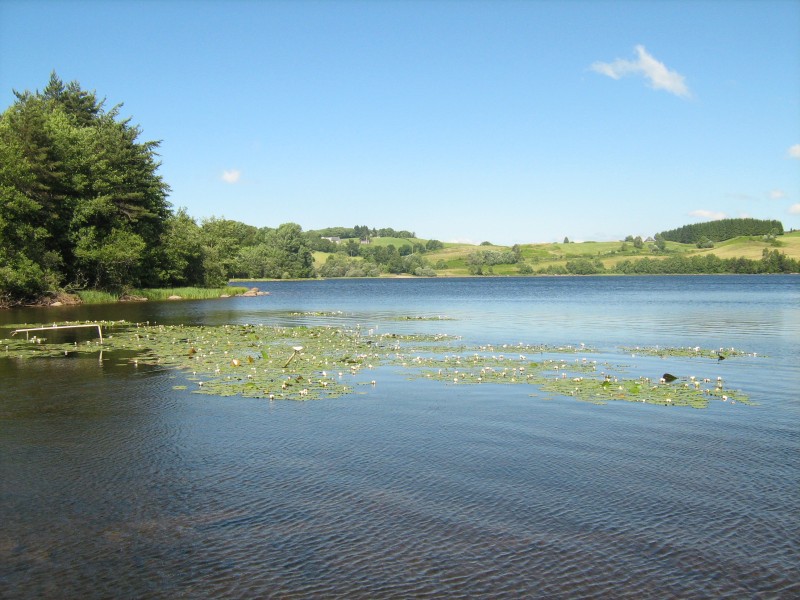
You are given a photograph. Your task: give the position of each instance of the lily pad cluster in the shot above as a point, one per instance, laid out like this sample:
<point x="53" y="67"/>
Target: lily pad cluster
<point x="422" y="318"/>
<point x="305" y="363"/>
<point x="583" y="378"/>
<point x="688" y="352"/>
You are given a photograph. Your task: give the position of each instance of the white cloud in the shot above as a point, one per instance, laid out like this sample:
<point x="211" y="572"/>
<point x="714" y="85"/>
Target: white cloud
<point x="777" y="195"/>
<point x="794" y="151"/>
<point x="794" y="209"/>
<point x="656" y="72"/>
<point x="231" y="176"/>
<point x="707" y="214"/>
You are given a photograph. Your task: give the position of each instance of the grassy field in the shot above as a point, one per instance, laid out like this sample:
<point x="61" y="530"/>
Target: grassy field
<point x="540" y="256"/>
<point x="454" y="256"/>
<point x="320" y="258"/>
<point x="752" y="248"/>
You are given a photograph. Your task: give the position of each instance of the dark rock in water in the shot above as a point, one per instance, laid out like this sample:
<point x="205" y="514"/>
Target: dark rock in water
<point x="668" y="377"/>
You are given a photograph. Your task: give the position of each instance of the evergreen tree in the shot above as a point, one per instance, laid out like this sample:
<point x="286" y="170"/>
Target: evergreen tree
<point x="81" y="202"/>
<point x="724" y="229"/>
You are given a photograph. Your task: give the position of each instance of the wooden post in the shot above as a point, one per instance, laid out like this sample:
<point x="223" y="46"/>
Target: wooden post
<point x="28" y="330"/>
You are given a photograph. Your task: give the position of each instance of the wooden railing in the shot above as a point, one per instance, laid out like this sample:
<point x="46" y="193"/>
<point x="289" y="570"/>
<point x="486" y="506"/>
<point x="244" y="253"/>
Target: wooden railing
<point x="57" y="327"/>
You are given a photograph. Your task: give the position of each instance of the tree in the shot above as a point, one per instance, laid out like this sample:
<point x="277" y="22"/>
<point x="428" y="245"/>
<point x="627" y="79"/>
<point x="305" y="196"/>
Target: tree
<point x="254" y="262"/>
<point x="79" y="189"/>
<point x="525" y="269"/>
<point x="362" y="232"/>
<point x="112" y="263"/>
<point x="584" y="266"/>
<point x="221" y="242"/>
<point x="182" y="248"/>
<point x="351" y="247"/>
<point x="433" y="245"/>
<point x="289" y="249"/>
<point x="724" y="229"/>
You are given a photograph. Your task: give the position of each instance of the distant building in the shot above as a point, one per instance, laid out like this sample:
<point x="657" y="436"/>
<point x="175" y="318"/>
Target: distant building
<point x="335" y="239"/>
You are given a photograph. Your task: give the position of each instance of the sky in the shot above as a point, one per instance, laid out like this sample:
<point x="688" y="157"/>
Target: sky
<point x="502" y="121"/>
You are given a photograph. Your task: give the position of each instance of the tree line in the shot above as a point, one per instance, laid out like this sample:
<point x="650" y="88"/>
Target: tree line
<point x="724" y="229"/>
<point x="82" y="202"/>
<point x="363" y="232"/>
<point x="82" y="206"/>
<point x="771" y="262"/>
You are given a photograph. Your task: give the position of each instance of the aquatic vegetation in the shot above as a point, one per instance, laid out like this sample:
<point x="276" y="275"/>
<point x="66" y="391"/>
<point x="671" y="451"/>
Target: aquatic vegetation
<point x="309" y="363"/>
<point x="422" y="318"/>
<point x="583" y="379"/>
<point x="155" y="294"/>
<point x="97" y="297"/>
<point x="189" y="293"/>
<point x="693" y="352"/>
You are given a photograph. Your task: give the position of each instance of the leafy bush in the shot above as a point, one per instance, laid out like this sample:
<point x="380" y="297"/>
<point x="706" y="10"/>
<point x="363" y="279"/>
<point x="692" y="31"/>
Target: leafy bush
<point x="584" y="266"/>
<point x="525" y="269"/>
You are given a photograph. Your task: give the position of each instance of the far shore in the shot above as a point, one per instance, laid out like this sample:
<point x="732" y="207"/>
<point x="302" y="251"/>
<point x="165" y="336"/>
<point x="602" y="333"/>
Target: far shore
<point x="231" y="291"/>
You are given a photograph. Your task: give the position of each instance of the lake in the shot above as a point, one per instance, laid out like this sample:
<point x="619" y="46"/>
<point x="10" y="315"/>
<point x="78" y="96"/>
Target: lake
<point x="113" y="483"/>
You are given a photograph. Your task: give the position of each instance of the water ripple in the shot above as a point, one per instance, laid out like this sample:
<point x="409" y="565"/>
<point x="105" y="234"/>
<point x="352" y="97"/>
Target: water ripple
<point x="114" y="484"/>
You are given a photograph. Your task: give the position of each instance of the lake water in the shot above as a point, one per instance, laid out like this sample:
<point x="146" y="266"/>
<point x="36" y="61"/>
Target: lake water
<point x="115" y="484"/>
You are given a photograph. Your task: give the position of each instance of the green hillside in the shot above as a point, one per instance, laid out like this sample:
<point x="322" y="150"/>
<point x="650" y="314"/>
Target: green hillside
<point x="610" y="254"/>
<point x="455" y="259"/>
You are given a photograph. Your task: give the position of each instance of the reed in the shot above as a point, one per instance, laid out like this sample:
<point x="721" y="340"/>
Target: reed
<point x="188" y="293"/>
<point x="97" y="297"/>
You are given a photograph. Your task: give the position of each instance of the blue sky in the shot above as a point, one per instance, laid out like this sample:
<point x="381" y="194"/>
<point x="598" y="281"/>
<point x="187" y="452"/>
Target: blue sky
<point x="511" y="122"/>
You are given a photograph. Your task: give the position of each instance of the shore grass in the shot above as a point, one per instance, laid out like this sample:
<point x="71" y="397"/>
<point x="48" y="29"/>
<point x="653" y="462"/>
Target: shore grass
<point x="189" y="293"/>
<point x="156" y="294"/>
<point x="97" y="297"/>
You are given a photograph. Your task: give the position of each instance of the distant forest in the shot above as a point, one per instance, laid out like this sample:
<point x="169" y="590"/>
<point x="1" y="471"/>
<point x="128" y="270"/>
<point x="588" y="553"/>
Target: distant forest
<point x="724" y="229"/>
<point x="83" y="207"/>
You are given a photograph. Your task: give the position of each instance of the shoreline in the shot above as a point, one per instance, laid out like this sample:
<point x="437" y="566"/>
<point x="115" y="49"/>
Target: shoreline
<point x="65" y="299"/>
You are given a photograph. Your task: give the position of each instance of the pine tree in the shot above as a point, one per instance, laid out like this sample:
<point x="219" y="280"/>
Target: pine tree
<point x="81" y="202"/>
